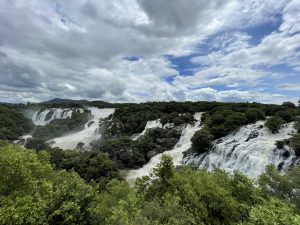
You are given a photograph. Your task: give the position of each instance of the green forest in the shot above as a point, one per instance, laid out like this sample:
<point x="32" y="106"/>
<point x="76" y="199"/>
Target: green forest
<point x="37" y="188"/>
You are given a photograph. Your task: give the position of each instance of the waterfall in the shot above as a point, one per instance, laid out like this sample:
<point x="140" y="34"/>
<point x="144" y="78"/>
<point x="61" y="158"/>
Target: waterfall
<point x="153" y="124"/>
<point x="149" y="125"/>
<point x="248" y="150"/>
<point x="42" y="117"/>
<point x="176" y="153"/>
<point x="88" y="134"/>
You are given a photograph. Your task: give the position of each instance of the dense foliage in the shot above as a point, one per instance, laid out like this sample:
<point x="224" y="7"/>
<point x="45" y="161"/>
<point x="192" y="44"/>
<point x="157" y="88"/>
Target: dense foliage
<point x="133" y="154"/>
<point x="133" y="117"/>
<point x="32" y="192"/>
<point x="274" y="124"/>
<point x="13" y="123"/>
<point x="94" y="168"/>
<point x="286" y="187"/>
<point x="201" y="140"/>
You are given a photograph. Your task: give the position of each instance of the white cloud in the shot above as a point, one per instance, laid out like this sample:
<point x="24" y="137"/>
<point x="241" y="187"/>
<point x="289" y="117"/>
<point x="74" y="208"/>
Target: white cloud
<point x="290" y="86"/>
<point x="76" y="49"/>
<point x="237" y="62"/>
<point x="211" y="94"/>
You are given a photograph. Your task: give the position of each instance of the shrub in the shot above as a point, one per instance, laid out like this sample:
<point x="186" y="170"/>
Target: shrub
<point x="274" y="124"/>
<point x="201" y="140"/>
<point x="254" y="115"/>
<point x="287" y="115"/>
<point x="223" y="122"/>
<point x="271" y="212"/>
<point x="289" y="104"/>
<point x="284" y="186"/>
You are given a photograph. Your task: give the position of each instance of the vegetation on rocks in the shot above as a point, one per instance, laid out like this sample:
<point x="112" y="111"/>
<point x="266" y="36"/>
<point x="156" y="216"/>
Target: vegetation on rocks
<point x="201" y="140"/>
<point x="133" y="154"/>
<point x="274" y="124"/>
<point x="13" y="123"/>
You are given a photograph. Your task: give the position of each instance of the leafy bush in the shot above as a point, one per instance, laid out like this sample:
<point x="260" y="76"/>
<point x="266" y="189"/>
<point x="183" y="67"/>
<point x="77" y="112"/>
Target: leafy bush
<point x="177" y="118"/>
<point x="201" y="140"/>
<point x="32" y="192"/>
<point x="287" y="115"/>
<point x="223" y="122"/>
<point x="274" y="124"/>
<point x="206" y="198"/>
<point x="285" y="186"/>
<point x="254" y="115"/>
<point x="289" y="104"/>
<point x="271" y="212"/>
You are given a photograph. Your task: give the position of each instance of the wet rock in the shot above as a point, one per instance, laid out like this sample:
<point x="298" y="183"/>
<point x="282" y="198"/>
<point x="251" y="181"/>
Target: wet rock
<point x="252" y="136"/>
<point x="286" y="154"/>
<point x="90" y="123"/>
<point x="280" y="166"/>
<point x="219" y="141"/>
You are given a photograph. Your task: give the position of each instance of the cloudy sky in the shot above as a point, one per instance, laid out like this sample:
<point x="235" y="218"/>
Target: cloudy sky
<point x="150" y="50"/>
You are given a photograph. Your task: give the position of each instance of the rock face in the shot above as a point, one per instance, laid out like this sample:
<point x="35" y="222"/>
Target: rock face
<point x="249" y="150"/>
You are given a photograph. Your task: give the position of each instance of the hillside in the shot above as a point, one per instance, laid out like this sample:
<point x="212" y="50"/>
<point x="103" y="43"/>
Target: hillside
<point x="63" y="101"/>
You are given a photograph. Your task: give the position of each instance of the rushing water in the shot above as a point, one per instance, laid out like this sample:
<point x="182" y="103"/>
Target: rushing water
<point x="149" y="125"/>
<point x="248" y="150"/>
<point x="43" y="117"/>
<point x="88" y="134"/>
<point x="183" y="144"/>
<point x="153" y="124"/>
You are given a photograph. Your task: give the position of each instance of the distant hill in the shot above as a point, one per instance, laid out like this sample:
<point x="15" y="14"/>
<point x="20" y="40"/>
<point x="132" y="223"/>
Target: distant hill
<point x="64" y="101"/>
<point x="59" y="102"/>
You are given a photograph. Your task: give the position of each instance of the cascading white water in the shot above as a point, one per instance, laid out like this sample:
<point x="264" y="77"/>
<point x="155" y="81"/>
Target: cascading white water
<point x="248" y="150"/>
<point x="42" y="117"/>
<point x="176" y="153"/>
<point x="153" y="124"/>
<point x="149" y="125"/>
<point x="88" y="134"/>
